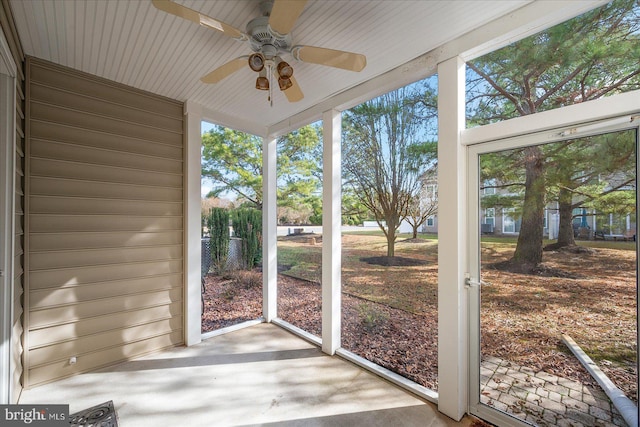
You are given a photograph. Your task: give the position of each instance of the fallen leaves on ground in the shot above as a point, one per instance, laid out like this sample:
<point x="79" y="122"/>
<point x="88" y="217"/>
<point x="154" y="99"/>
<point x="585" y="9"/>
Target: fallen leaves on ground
<point x="522" y="316"/>
<point x="395" y="339"/>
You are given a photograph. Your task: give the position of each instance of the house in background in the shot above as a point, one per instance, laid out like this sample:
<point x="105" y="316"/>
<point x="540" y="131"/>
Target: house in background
<point x="588" y="223"/>
<point x="101" y="105"/>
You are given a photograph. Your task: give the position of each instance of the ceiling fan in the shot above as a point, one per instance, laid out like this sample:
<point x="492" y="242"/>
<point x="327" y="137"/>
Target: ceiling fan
<point x="269" y="36"/>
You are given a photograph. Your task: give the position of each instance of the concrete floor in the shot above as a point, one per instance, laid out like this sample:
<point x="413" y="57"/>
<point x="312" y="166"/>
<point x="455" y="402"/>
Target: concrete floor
<point x="258" y="376"/>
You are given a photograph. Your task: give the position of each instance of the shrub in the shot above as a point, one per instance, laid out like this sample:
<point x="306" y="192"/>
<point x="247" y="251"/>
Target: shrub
<point x="246" y="279"/>
<point x="249" y="279"/>
<point x="229" y="293"/>
<point x="247" y="225"/>
<point x="371" y="316"/>
<point x="218" y="224"/>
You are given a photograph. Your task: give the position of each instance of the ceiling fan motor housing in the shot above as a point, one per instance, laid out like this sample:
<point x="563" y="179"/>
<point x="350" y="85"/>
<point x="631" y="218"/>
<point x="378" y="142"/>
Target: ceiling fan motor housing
<point x="263" y="40"/>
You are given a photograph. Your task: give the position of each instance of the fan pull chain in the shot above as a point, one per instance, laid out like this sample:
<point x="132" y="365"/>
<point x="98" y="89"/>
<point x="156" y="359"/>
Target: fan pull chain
<point x="270" y="73"/>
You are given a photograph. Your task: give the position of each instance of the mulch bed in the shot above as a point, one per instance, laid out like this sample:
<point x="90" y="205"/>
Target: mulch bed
<point x="589" y="296"/>
<point x="395" y="339"/>
<point x="523" y="317"/>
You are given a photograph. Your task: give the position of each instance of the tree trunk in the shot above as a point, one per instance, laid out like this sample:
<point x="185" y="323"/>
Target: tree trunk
<point x="391" y="245"/>
<point x="415" y="232"/>
<point x="391" y="236"/>
<point x="565" y="229"/>
<point x="529" y="247"/>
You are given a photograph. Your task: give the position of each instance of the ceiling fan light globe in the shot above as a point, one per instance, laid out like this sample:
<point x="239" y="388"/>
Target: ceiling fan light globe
<point x="262" y="83"/>
<point x="285" y="70"/>
<point x="284" y="83"/>
<point x="256" y="62"/>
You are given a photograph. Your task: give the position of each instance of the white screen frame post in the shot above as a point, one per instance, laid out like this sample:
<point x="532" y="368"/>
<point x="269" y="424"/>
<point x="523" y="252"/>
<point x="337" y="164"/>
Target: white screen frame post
<point x="452" y="246"/>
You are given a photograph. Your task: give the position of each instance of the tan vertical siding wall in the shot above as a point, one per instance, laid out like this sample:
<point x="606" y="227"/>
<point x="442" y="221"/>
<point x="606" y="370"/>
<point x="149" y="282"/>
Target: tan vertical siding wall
<point x="105" y="222"/>
<point x="11" y="35"/>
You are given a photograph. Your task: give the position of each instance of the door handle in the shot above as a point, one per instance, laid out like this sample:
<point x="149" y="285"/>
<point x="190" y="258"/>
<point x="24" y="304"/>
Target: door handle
<point x="474" y="283"/>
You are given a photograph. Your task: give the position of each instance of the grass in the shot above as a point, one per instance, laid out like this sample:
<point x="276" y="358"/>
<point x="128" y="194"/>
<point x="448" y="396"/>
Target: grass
<point x="302" y="261"/>
<point x="412" y="289"/>
<point x="608" y="244"/>
<point x="400" y="236"/>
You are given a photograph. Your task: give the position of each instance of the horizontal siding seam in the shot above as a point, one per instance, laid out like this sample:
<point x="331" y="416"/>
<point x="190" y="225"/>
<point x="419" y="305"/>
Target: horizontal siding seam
<point x="20" y="111"/>
<point x="126" y="215"/>
<point x="35" y="309"/>
<point x="125" y="184"/>
<point x="19" y="88"/>
<point x="35" y="62"/>
<point x="45" y="233"/>
<point x="94" y="266"/>
<point x="32" y="120"/>
<point x="54" y="196"/>
<point x="83" y="319"/>
<point x="118" y="329"/>
<point x="101" y="349"/>
<point x="107" y="215"/>
<point x="106" y="166"/>
<point x="155" y="200"/>
<point x="115" y="119"/>
<point x="82" y="266"/>
<point x="118" y="104"/>
<point x="108" y="364"/>
<point x="107" y="233"/>
<point x="99" y="249"/>
<point x="104" y="282"/>
<point x="107" y="150"/>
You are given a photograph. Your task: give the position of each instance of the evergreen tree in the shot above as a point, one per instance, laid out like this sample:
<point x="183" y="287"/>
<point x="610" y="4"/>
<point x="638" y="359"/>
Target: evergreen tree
<point x="218" y="224"/>
<point x="247" y="225"/>
<point x="586" y="58"/>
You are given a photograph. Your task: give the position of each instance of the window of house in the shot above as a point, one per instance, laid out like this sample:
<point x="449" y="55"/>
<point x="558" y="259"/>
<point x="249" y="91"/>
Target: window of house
<point x="489" y="187"/>
<point x="490" y="216"/>
<point x="509" y="223"/>
<point x="431" y="191"/>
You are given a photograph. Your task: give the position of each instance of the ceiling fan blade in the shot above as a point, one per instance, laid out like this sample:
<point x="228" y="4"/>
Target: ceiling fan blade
<point x="199" y="18"/>
<point x="226" y="70"/>
<point x="330" y="57"/>
<point x="284" y="15"/>
<point x="294" y="93"/>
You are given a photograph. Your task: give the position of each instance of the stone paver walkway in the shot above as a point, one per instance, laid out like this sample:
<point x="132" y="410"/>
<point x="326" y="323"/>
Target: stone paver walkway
<point x="544" y="399"/>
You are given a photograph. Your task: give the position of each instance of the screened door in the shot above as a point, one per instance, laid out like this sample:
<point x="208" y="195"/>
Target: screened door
<point x="555" y="274"/>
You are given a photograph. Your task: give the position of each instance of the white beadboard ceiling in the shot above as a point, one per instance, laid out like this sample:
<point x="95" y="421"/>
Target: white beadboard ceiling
<point x="131" y="42"/>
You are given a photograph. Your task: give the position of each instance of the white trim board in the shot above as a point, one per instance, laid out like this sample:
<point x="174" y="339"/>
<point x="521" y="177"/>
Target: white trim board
<point x="565" y="118"/>
<point x="7" y="213"/>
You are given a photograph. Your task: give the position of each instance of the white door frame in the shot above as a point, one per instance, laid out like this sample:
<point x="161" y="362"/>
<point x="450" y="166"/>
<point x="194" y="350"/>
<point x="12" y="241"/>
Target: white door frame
<point x="7" y="214"/>
<point x="620" y="123"/>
